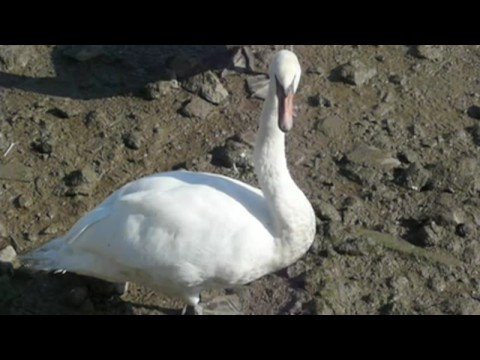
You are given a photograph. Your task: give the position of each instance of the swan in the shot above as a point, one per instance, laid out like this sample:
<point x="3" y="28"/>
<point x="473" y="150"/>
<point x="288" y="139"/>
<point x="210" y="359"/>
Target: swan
<point x="182" y="232"/>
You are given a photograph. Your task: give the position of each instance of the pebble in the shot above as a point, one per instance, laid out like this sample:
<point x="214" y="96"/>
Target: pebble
<point x="208" y="86"/>
<point x="131" y="141"/>
<point x="158" y="89"/>
<point x="197" y="108"/>
<point x="355" y="73"/>
<point x="474" y="112"/>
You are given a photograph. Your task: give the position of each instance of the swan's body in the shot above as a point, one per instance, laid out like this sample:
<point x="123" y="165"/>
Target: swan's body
<point x="182" y="232"/>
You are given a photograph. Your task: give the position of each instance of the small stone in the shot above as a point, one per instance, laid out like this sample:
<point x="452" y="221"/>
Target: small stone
<point x="76" y="296"/>
<point x="436" y="284"/>
<point x="95" y="117"/>
<point x="332" y="126"/>
<point x="325" y="211"/>
<point x="131" y="141"/>
<point x="355" y="73"/>
<point x="23" y="202"/>
<point x="8" y="254"/>
<point x="81" y="182"/>
<point x="408" y="156"/>
<point x="415" y="177"/>
<point x="371" y="156"/>
<point x="258" y="86"/>
<point x="208" y="86"/>
<point x="62" y="112"/>
<point x="158" y="89"/>
<point x="42" y="146"/>
<point x="197" y="108"/>
<point x="474" y="112"/>
<point x="319" y="100"/>
<point x="430" y="235"/>
<point x="429" y="52"/>
<point x="463" y="230"/>
<point x="397" y="79"/>
<point x="233" y="154"/>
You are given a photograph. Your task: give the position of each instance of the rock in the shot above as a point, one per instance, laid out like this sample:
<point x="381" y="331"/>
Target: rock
<point x="398" y="283"/>
<point x="370" y="156"/>
<point x="408" y="156"/>
<point x="131" y="141"/>
<point x="471" y="254"/>
<point x="474" y="112"/>
<point x="464" y="230"/>
<point x="3" y="230"/>
<point x="319" y="101"/>
<point x="429" y="235"/>
<point x="460" y="174"/>
<point x="332" y="126"/>
<point x="397" y="79"/>
<point x="81" y="182"/>
<point x="76" y="296"/>
<point x="158" y="89"/>
<point x="42" y="146"/>
<point x="208" y="86"/>
<point x="95" y="117"/>
<point x="258" y="86"/>
<point x="325" y="211"/>
<point x="23" y="202"/>
<point x="355" y="73"/>
<point x="462" y="306"/>
<point x="445" y="211"/>
<point x="233" y="154"/>
<point x="476" y="134"/>
<point x="84" y="53"/>
<point x="429" y="52"/>
<point x="197" y="108"/>
<point x="63" y="112"/>
<point x="355" y="247"/>
<point x="415" y="177"/>
<point x="436" y="284"/>
<point x="14" y="58"/>
<point x="8" y="254"/>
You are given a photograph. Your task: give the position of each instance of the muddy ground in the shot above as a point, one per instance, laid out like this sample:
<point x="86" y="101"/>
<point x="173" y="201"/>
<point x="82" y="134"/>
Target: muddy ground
<point x="386" y="148"/>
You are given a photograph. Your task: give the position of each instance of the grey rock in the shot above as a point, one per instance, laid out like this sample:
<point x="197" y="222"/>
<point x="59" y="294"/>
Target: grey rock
<point x="332" y="126"/>
<point x="233" y="154"/>
<point x="258" y="86"/>
<point x="319" y="101"/>
<point x="8" y="254"/>
<point x="415" y="177"/>
<point x="208" y="86"/>
<point x="131" y="140"/>
<point x="158" y="89"/>
<point x="23" y="202"/>
<point x="355" y="73"/>
<point x="42" y="146"/>
<point x="430" y="235"/>
<point x="14" y="58"/>
<point x="325" y="211"/>
<point x="81" y="182"/>
<point x="474" y="112"/>
<point x="397" y="79"/>
<point x="430" y="52"/>
<point x="95" y="118"/>
<point x="370" y="156"/>
<point x="408" y="156"/>
<point x="462" y="306"/>
<point x="361" y="246"/>
<point x="197" y="108"/>
<point x="436" y="284"/>
<point x="464" y="230"/>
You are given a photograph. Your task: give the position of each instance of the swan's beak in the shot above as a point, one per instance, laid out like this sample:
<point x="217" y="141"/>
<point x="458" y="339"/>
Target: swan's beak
<point x="286" y="112"/>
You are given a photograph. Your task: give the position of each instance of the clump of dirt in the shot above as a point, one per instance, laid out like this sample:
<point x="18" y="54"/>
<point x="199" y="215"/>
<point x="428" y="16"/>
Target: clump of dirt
<point x="386" y="149"/>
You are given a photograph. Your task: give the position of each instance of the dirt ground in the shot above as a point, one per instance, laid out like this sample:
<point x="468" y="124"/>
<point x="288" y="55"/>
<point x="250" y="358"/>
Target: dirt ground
<point x="386" y="147"/>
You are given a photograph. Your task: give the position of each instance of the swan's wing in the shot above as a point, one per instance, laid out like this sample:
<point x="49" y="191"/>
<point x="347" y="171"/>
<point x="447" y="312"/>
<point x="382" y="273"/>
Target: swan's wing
<point x="179" y="222"/>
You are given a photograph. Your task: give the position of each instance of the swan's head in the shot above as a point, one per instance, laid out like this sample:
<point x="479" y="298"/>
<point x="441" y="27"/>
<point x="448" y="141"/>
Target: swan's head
<point x="285" y="72"/>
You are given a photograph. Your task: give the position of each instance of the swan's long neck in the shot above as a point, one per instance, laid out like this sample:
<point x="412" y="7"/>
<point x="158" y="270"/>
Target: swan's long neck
<point x="294" y="220"/>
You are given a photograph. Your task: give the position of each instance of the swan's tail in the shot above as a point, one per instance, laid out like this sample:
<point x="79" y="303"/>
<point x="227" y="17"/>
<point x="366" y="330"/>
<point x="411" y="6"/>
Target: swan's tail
<point x="46" y="258"/>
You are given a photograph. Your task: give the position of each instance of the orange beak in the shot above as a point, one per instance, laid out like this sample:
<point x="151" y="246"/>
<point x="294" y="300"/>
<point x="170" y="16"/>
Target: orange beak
<point x="286" y="112"/>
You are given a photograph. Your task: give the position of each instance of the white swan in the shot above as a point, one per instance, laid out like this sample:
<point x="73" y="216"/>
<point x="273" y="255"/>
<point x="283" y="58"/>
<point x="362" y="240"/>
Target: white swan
<point x="183" y="232"/>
